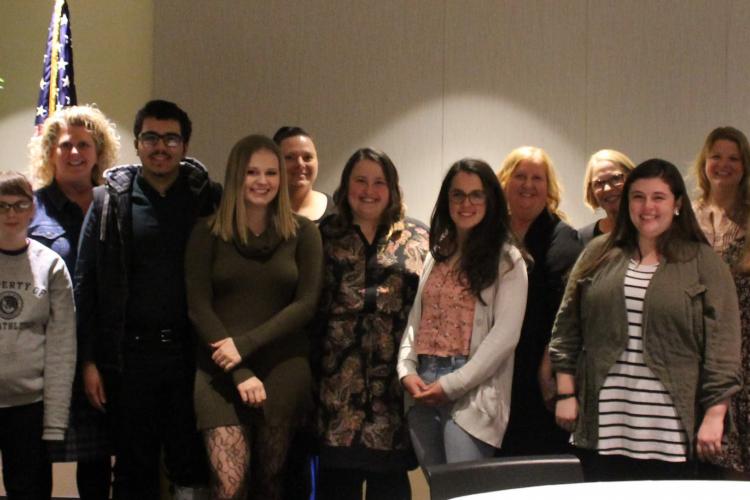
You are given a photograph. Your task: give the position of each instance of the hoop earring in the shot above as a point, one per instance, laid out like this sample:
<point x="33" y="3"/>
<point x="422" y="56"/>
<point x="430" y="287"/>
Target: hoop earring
<point x="677" y="211"/>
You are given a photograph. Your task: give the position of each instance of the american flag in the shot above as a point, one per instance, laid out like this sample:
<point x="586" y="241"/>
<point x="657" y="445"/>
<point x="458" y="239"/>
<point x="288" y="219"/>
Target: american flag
<point x="57" y="87"/>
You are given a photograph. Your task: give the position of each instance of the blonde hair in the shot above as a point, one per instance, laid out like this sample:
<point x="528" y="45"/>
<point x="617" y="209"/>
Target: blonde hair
<point x="230" y="221"/>
<point x="554" y="189"/>
<point x="41" y="147"/>
<point x="619" y="159"/>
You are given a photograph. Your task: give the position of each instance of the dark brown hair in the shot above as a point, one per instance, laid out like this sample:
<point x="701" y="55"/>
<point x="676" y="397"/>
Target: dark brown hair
<point x="15" y="184"/>
<point x="394" y="212"/>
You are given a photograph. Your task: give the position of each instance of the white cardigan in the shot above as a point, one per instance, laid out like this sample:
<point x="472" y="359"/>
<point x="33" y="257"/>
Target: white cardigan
<point x="481" y="388"/>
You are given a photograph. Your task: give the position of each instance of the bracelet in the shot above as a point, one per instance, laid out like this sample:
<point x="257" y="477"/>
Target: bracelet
<point x="560" y="397"/>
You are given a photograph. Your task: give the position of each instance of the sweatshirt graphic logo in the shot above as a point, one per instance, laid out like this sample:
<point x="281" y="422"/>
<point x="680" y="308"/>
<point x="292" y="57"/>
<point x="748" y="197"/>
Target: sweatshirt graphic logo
<point x="11" y="305"/>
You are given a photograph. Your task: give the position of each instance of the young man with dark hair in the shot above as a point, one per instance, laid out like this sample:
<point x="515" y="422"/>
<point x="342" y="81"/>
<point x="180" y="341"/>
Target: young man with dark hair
<point x="135" y="339"/>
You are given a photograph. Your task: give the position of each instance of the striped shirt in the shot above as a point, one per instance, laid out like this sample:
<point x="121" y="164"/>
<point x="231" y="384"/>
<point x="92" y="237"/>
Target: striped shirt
<point x="637" y="416"/>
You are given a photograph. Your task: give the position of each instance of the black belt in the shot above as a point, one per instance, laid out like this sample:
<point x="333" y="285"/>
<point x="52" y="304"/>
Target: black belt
<point x="155" y="336"/>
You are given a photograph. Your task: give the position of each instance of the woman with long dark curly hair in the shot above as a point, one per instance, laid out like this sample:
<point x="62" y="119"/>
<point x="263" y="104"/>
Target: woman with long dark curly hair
<point x="456" y="356"/>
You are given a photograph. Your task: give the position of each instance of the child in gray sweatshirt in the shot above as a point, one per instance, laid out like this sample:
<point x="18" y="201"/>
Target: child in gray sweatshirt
<point x="37" y="344"/>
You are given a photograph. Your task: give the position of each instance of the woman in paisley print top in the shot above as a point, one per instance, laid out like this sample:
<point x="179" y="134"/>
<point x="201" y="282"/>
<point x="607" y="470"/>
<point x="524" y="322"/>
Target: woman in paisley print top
<point x="722" y="171"/>
<point x="373" y="259"/>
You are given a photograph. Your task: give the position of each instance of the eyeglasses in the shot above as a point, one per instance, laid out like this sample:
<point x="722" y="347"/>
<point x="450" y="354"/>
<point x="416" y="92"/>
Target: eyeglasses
<point x="614" y="181"/>
<point x="151" y="139"/>
<point x="475" y="197"/>
<point x="18" y="207"/>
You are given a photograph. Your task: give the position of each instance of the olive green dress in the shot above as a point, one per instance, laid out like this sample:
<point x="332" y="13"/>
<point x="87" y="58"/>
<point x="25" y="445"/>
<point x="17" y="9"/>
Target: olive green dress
<point x="262" y="294"/>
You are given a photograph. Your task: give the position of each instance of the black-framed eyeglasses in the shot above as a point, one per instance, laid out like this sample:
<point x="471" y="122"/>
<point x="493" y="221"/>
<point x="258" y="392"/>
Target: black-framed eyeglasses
<point x="475" y="197"/>
<point x="151" y="139"/>
<point x="18" y="207"/>
<point x="613" y="181"/>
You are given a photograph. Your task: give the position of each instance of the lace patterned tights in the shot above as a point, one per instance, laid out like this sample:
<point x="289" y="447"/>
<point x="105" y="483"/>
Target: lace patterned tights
<point x="229" y="454"/>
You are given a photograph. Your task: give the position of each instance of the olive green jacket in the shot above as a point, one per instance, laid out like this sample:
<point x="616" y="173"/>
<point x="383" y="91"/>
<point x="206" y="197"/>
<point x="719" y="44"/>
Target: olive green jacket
<point x="691" y="333"/>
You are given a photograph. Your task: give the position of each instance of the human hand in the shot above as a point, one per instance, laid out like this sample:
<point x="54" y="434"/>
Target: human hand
<point x="708" y="440"/>
<point x="548" y="388"/>
<point x="566" y="413"/>
<point x="413" y="384"/>
<point x="252" y="392"/>
<point x="225" y="354"/>
<point x="433" y="395"/>
<point x="546" y="380"/>
<point x="93" y="386"/>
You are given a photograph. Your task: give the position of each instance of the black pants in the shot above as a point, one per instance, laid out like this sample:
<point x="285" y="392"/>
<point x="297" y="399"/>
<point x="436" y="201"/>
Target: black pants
<point x="297" y="475"/>
<point x="27" y="472"/>
<point x="346" y="484"/>
<point x="598" y="467"/>
<point x="152" y="409"/>
<point x="94" y="478"/>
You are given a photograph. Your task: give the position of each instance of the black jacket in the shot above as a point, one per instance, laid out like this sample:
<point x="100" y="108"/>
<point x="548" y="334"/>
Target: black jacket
<point x="104" y="258"/>
<point x="554" y="247"/>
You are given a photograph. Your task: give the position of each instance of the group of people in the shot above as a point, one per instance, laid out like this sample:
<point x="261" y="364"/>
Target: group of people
<point x="237" y="332"/>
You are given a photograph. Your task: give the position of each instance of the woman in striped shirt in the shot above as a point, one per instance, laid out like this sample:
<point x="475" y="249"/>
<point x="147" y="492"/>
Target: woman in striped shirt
<point x="646" y="342"/>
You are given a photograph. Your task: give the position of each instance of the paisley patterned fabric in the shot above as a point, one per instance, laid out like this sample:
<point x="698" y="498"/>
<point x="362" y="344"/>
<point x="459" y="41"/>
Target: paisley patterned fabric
<point x="737" y="454"/>
<point x="367" y="294"/>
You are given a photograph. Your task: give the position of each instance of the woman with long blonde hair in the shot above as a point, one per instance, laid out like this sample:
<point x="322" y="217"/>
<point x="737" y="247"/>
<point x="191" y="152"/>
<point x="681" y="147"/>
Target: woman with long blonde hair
<point x="253" y="274"/>
<point x="722" y="170"/>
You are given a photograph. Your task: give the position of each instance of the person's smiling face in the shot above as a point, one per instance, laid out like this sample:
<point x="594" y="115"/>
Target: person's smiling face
<point x="467" y="202"/>
<point x="368" y="194"/>
<point x="607" y="180"/>
<point x="724" y="168"/>
<point x="301" y="161"/>
<point x="74" y="156"/>
<point x="651" y="204"/>
<point x="526" y="190"/>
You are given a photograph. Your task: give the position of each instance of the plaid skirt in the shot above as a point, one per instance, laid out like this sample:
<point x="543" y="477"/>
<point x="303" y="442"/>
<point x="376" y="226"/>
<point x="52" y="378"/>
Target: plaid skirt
<point x="87" y="436"/>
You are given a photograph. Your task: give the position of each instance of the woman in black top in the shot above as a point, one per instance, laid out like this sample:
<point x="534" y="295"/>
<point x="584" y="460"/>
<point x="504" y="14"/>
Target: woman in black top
<point x="533" y="193"/>
<point x="76" y="146"/>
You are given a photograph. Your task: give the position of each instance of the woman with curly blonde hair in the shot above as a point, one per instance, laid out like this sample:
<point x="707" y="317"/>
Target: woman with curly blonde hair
<point x="76" y="146"/>
<point x="102" y="133"/>
<point x="529" y="180"/>
<point x="67" y="160"/>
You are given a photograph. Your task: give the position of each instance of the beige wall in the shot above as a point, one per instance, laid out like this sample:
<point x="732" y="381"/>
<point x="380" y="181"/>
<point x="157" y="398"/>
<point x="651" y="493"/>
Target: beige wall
<point x="430" y="81"/>
<point x="112" y="49"/>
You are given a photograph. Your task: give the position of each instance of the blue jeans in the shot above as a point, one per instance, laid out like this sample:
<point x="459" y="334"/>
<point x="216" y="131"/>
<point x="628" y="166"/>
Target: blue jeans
<point x="436" y="438"/>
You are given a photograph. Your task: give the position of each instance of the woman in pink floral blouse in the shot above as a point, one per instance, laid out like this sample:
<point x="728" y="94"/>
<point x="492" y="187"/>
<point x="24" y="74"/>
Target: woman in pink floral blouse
<point x="373" y="259"/>
<point x="456" y="357"/>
